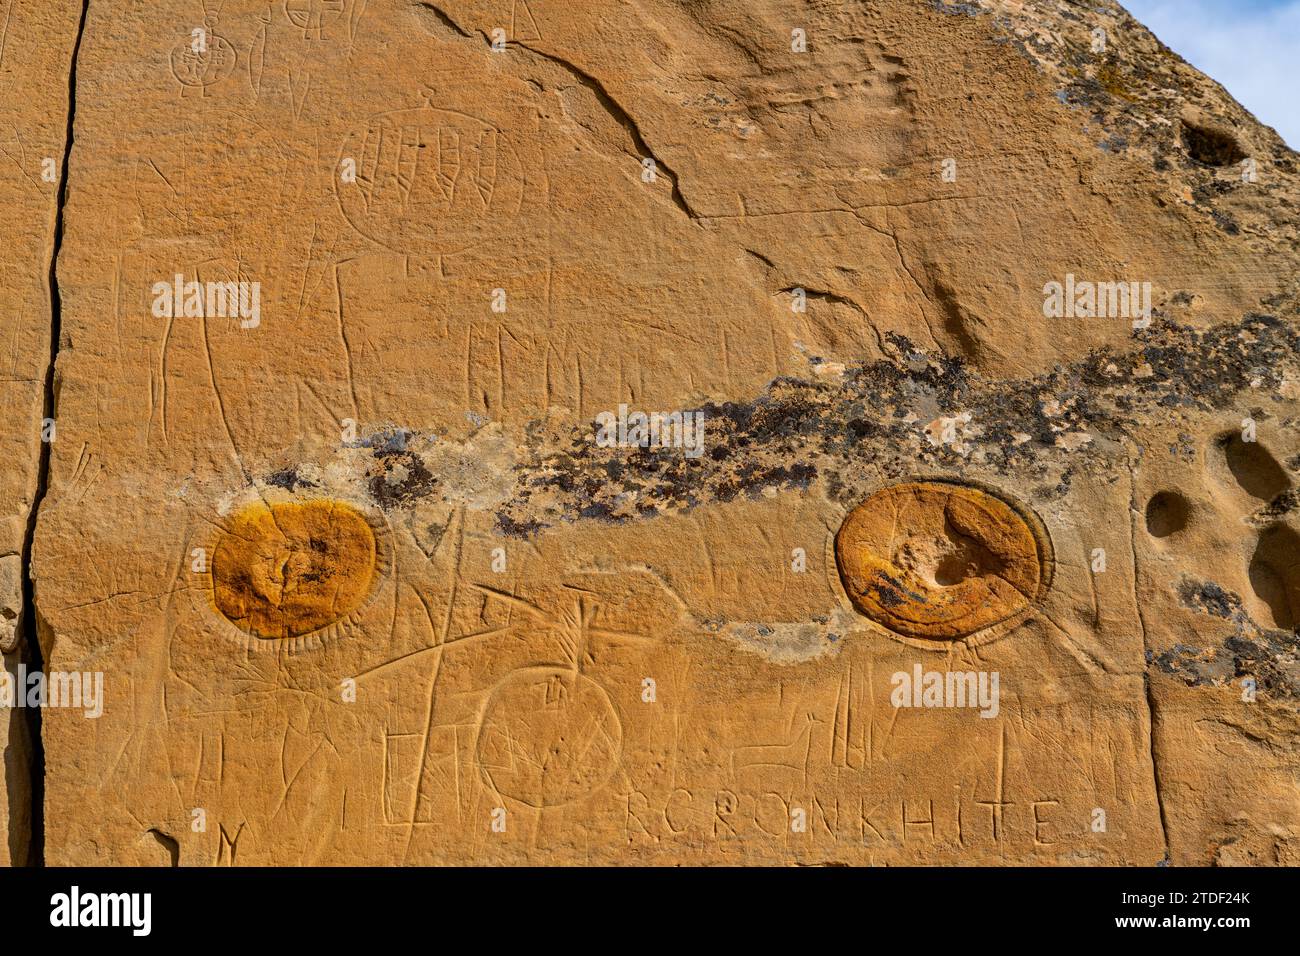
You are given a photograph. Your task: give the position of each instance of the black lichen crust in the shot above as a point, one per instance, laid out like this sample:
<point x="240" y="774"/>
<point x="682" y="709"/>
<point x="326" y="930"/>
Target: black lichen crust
<point x="1269" y="656"/>
<point x="799" y="431"/>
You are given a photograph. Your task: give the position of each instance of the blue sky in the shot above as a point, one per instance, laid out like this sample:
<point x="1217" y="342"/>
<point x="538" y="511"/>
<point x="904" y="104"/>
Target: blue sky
<point x="1252" y="47"/>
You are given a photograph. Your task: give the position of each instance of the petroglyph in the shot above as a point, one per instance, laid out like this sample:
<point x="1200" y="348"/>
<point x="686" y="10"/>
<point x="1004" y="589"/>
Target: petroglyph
<point x="430" y="180"/>
<point x="940" y="560"/>
<point x="314" y="16"/>
<point x="288" y="569"/>
<point x="203" y="59"/>
<point x="370" y="584"/>
<point x="549" y="737"/>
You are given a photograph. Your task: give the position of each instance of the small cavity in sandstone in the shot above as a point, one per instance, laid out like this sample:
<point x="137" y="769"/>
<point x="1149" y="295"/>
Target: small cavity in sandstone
<point x="1167" y="513"/>
<point x="1211" y="146"/>
<point x="1255" y="470"/>
<point x="1275" y="576"/>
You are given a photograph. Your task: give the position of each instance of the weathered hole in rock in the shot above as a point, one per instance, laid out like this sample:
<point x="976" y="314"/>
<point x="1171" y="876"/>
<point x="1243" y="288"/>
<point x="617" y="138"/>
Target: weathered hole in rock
<point x="290" y="568"/>
<point x="1255" y="470"/>
<point x="169" y="844"/>
<point x="1213" y="147"/>
<point x="940" y="560"/>
<point x="1167" y="513"/>
<point x="1275" y="575"/>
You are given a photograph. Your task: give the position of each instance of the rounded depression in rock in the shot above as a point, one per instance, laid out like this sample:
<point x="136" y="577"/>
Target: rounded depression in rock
<point x="287" y="569"/>
<point x="939" y="560"/>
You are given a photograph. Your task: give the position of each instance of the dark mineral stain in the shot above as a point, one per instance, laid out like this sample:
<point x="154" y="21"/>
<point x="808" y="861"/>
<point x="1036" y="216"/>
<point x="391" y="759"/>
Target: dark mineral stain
<point x="518" y="529"/>
<point x="1279" y="507"/>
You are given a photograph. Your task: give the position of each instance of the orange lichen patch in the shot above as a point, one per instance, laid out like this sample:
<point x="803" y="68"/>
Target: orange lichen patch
<point x="287" y="569"/>
<point x="940" y="561"/>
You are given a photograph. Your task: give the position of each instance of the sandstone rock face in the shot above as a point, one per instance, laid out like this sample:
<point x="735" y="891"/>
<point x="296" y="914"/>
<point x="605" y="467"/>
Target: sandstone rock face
<point x="520" y="431"/>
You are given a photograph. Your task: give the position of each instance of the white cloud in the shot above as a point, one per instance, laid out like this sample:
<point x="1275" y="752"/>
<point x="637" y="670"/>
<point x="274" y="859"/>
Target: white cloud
<point x="1252" y="48"/>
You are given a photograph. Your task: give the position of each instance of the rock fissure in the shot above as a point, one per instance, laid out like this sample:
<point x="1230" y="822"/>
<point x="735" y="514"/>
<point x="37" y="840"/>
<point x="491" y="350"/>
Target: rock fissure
<point x="31" y="613"/>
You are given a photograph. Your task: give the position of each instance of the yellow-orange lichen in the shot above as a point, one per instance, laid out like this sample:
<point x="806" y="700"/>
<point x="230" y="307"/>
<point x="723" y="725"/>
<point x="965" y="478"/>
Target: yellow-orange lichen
<point x="939" y="560"/>
<point x="286" y="569"/>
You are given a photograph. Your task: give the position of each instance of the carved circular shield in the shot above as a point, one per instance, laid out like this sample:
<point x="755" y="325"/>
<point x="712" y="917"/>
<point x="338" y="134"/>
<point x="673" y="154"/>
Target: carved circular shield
<point x="204" y="64"/>
<point x="940" y="560"/>
<point x="549" y="736"/>
<point x="429" y="181"/>
<point x="290" y="568"/>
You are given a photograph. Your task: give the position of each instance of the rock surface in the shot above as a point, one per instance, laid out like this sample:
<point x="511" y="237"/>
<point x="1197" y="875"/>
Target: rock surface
<point x="457" y="404"/>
